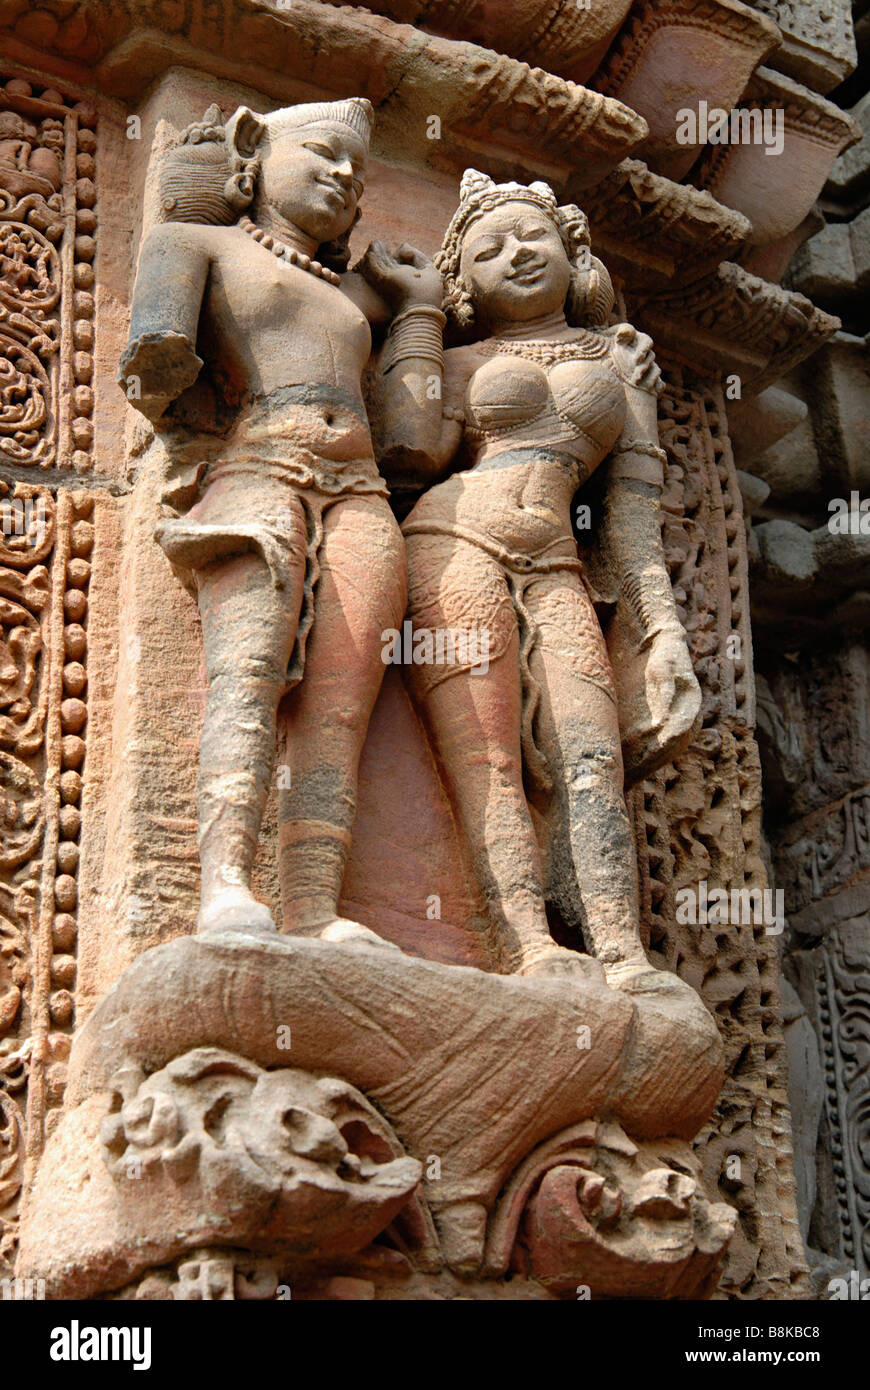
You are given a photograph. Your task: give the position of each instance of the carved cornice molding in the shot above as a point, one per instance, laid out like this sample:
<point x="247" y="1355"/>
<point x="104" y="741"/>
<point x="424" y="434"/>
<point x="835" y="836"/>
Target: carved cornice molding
<point x="730" y="18"/>
<point x="778" y="193"/>
<point x="669" y="54"/>
<point x="561" y="35"/>
<point x="511" y="100"/>
<point x="732" y="321"/>
<point x="818" y="41"/>
<point x="649" y="223"/>
<point x="485" y="101"/>
<point x="803" y="110"/>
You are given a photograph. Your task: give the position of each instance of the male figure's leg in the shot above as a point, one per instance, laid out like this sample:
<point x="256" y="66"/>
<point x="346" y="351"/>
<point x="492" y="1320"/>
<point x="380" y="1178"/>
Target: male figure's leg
<point x="249" y="626"/>
<point x="361" y="591"/>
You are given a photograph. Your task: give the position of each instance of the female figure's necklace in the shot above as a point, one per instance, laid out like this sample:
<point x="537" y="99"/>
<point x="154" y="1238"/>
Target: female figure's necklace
<point x="288" y="253"/>
<point x="583" y="345"/>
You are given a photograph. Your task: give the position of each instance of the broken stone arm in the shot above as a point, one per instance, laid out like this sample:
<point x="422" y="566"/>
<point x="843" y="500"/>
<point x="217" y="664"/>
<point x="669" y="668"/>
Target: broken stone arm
<point x="160" y="360"/>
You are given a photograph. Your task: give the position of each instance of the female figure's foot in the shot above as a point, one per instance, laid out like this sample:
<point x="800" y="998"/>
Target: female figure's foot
<point x="235" y="909"/>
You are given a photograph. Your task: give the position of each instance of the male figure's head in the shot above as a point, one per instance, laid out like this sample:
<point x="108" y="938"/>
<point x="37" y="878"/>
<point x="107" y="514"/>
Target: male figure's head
<point x="303" y="165"/>
<point x="312" y="165"/>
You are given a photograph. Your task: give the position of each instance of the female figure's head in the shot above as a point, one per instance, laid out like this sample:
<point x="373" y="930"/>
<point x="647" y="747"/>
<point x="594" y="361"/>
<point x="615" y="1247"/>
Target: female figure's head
<point x="512" y="255"/>
<point x="303" y="166"/>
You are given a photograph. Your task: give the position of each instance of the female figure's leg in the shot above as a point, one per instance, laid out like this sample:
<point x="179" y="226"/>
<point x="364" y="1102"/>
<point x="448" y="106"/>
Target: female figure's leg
<point x="361" y="591"/>
<point x="474" y="721"/>
<point x="249" y="627"/>
<point x="578" y="731"/>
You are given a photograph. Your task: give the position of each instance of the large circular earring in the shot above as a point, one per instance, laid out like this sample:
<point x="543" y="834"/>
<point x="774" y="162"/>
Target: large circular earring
<point x="591" y="296"/>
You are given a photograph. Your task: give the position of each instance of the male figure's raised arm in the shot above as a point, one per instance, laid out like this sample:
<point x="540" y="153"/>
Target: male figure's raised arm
<point x="414" y="437"/>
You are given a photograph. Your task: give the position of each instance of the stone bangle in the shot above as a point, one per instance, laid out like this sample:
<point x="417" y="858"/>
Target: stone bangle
<point x="641" y="446"/>
<point x="650" y="598"/>
<point x="414" y="334"/>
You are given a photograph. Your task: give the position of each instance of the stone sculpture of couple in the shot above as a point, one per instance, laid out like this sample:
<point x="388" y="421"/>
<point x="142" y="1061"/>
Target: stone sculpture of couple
<point x="299" y="564"/>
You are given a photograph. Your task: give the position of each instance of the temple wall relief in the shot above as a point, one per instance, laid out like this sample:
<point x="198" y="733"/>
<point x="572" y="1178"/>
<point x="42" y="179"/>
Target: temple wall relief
<point x="466" y="1080"/>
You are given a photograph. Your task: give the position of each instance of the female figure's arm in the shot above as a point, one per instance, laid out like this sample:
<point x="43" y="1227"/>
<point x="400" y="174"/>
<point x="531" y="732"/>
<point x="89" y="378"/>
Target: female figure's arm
<point x="160" y="360"/>
<point x="415" y="430"/>
<point x="659" y="696"/>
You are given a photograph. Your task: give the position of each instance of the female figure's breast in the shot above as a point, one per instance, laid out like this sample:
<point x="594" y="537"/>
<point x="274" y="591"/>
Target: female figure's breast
<point x="504" y="396"/>
<point x="537" y="429"/>
<point x="575" y="406"/>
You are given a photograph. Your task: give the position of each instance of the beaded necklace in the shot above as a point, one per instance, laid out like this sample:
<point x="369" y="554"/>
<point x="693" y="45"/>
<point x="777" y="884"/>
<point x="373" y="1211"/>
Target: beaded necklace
<point x="288" y="253"/>
<point x="584" y="346"/>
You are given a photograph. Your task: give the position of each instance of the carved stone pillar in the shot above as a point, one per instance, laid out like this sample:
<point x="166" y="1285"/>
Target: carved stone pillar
<point x="700" y="820"/>
<point x="47" y="324"/>
<point x="816" y="761"/>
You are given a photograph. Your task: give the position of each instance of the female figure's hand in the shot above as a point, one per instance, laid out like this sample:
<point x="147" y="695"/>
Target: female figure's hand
<point x="634" y="359"/>
<point x="672" y="690"/>
<point x="404" y="279"/>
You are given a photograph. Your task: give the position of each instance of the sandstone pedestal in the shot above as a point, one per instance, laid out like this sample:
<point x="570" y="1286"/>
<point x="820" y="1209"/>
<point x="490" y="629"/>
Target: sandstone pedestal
<point x="286" y="1097"/>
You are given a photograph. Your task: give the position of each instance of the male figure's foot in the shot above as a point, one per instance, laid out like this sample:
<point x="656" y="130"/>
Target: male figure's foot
<point x="637" y="975"/>
<point x="343" y="932"/>
<point x="557" y="962"/>
<point x="235" y="909"/>
<point x="628" y="970"/>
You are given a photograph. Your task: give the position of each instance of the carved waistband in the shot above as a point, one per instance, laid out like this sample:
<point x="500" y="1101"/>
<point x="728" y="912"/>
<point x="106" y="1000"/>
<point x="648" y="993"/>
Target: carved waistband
<point x="511" y="559"/>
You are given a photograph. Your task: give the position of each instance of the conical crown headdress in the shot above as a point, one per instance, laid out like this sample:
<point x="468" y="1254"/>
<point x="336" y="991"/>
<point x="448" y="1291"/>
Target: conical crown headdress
<point x="355" y="112"/>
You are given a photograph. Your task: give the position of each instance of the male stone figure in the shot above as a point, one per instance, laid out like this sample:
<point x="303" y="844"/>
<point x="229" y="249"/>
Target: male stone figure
<point x="290" y="543"/>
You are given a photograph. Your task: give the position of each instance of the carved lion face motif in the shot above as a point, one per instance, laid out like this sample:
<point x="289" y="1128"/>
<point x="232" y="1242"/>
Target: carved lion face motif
<point x="275" y="1156"/>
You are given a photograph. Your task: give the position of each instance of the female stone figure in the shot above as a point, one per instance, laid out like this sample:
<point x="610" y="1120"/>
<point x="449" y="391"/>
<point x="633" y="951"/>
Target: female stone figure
<point x="292" y="550"/>
<point x="531" y="751"/>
